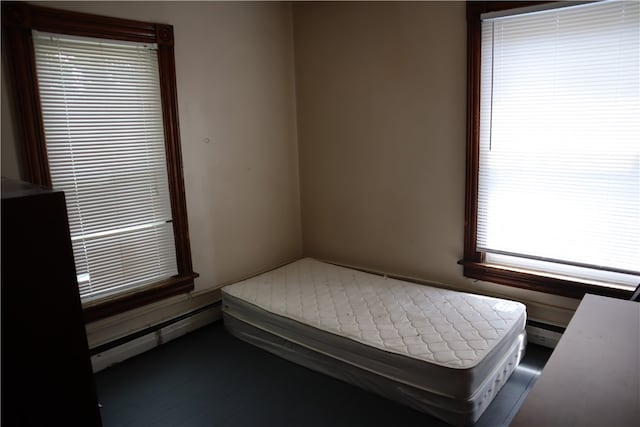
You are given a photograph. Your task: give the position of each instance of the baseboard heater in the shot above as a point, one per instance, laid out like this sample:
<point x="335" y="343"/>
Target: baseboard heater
<point x="118" y="350"/>
<point x="543" y="334"/>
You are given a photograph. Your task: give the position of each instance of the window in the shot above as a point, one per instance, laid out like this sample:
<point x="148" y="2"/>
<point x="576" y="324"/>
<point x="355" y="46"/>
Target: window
<point x="102" y="119"/>
<point x="97" y="103"/>
<point x="553" y="159"/>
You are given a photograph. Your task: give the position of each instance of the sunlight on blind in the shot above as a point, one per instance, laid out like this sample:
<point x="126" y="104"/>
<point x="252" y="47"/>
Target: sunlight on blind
<point x="559" y="176"/>
<point x="105" y="144"/>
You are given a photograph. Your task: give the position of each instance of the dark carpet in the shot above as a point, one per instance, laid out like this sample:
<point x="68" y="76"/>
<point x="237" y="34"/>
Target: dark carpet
<point x="209" y="378"/>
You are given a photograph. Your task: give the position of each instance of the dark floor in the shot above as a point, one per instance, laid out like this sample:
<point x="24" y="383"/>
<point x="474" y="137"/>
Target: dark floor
<point x="210" y="378"/>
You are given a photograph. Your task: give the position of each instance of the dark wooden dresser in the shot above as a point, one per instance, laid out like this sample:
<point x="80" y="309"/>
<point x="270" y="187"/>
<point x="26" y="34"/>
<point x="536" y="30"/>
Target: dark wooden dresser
<point x="47" y="378"/>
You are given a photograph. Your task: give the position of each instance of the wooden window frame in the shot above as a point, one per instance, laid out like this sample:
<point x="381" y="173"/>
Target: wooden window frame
<point x="19" y="20"/>
<point x="473" y="265"/>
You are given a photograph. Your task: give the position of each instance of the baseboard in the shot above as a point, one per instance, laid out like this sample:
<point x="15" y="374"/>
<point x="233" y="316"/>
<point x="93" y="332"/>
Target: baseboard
<point x="543" y="334"/>
<point x="135" y="344"/>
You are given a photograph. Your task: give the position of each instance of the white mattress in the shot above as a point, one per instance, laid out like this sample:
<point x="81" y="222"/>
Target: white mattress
<point x="450" y="346"/>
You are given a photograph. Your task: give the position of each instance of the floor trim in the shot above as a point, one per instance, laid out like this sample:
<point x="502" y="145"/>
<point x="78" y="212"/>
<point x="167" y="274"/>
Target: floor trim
<point x="120" y="349"/>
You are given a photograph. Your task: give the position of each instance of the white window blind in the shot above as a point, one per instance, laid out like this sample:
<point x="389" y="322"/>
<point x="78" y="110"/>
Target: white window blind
<point x="559" y="173"/>
<point x="103" y="127"/>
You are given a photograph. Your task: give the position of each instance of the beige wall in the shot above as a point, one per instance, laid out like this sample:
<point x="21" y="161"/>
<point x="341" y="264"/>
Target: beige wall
<point x="381" y="93"/>
<point x="235" y="77"/>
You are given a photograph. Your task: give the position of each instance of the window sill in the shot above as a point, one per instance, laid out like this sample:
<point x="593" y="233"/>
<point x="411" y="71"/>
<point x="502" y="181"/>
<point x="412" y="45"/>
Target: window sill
<point x="110" y="306"/>
<point x="535" y="281"/>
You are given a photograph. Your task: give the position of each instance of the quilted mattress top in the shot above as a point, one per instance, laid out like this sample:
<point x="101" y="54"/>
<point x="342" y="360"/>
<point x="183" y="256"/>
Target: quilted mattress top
<point x="443" y="327"/>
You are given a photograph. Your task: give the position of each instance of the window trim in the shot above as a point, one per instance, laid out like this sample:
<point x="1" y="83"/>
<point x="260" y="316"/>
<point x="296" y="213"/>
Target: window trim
<point x="19" y="19"/>
<point x="473" y="265"/>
